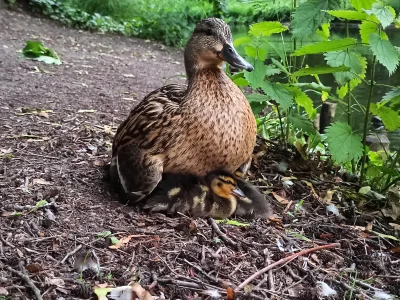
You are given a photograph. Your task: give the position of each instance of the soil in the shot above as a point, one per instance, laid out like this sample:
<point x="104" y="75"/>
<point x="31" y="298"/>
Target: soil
<point x="57" y="124"/>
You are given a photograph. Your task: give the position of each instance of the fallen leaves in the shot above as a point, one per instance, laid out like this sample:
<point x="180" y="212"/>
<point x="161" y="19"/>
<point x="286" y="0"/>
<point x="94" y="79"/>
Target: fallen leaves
<point x="44" y="113"/>
<point x="280" y="199"/>
<point x="125" y="240"/>
<point x="130" y="292"/>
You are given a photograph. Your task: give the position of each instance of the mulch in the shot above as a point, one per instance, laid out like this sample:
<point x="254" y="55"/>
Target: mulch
<point x="60" y="220"/>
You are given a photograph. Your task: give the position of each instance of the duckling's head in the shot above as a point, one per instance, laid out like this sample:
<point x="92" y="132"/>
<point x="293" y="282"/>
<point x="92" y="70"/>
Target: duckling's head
<point x="224" y="185"/>
<point x="210" y="45"/>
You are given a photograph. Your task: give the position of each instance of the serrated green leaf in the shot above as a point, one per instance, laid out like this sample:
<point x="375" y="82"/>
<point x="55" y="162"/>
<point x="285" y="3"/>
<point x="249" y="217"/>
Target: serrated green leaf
<point x="257" y="98"/>
<point x="271" y="70"/>
<point x="241" y="41"/>
<point x="385" y="14"/>
<point x="348" y="14"/>
<point x="343" y="144"/>
<point x="342" y="91"/>
<point x="368" y="26"/>
<point x="313" y="85"/>
<point x="103" y="234"/>
<point x="241" y="82"/>
<point x="390" y="118"/>
<point x="354" y="61"/>
<point x="302" y="123"/>
<point x="362" y="4"/>
<point x="36" y="51"/>
<point x="319" y="70"/>
<point x="324" y="32"/>
<point x="40" y="204"/>
<point x="266" y="28"/>
<point x="256" y="77"/>
<point x="278" y="93"/>
<point x="393" y="94"/>
<point x="304" y="101"/>
<point x="384" y="52"/>
<point x="257" y="107"/>
<point x="326" y="46"/>
<point x="308" y="16"/>
<point x="279" y="65"/>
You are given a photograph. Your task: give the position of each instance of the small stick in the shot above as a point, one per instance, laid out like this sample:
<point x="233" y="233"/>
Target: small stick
<point x="282" y="261"/>
<point x="71" y="253"/>
<point x="25" y="278"/>
<point x="222" y="235"/>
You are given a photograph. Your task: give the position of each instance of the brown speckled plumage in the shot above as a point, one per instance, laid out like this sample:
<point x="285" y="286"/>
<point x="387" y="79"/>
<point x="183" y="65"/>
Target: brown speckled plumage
<point x="195" y="129"/>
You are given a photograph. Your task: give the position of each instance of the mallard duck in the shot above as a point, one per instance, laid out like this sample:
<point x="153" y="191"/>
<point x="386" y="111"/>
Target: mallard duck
<point x="215" y="195"/>
<point x="197" y="128"/>
<point x="254" y="203"/>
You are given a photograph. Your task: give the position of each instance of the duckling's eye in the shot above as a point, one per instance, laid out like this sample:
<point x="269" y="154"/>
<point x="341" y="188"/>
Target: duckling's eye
<point x="209" y="32"/>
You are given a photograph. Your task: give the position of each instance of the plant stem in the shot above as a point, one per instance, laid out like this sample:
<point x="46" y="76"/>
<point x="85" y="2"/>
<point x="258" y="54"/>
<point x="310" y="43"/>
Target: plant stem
<point x="281" y="125"/>
<point x="367" y="108"/>
<point x="388" y="183"/>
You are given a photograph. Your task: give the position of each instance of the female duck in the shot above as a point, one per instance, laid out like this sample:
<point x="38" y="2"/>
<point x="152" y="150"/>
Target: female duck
<point x="195" y="129"/>
<point x="215" y="195"/>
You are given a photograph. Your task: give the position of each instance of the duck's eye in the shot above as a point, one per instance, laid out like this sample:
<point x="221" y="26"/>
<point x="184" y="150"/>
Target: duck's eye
<point x="209" y="32"/>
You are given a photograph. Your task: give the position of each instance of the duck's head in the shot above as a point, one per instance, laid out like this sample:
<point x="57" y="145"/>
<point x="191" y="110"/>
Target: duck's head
<point x="224" y="185"/>
<point x="210" y="46"/>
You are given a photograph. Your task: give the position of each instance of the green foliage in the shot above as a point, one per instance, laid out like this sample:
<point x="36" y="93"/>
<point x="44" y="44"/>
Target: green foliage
<point x="36" y="51"/>
<point x="343" y="144"/>
<point x="282" y="103"/>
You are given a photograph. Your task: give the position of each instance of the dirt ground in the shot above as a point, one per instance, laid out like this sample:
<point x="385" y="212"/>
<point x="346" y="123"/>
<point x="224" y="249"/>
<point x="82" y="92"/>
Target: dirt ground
<point x="56" y="127"/>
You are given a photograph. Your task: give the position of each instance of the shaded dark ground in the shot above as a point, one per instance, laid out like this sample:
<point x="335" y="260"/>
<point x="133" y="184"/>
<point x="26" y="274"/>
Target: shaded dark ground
<point x="59" y="156"/>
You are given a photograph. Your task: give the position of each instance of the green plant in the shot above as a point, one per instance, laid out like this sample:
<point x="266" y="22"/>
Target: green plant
<point x="281" y="92"/>
<point x="36" y="51"/>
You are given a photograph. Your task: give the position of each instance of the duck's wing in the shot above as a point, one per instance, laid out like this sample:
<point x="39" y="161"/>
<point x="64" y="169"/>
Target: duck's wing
<point x="138" y="146"/>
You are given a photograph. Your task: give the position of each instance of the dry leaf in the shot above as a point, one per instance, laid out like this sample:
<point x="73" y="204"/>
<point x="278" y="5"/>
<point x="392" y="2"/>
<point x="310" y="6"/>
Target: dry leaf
<point x="328" y="197"/>
<point x="280" y="199"/>
<point x="19" y="252"/>
<point x="34" y="268"/>
<point x="55" y="281"/>
<point x="124" y="240"/>
<point x="230" y="294"/>
<point x="41" y="181"/>
<point x="309" y="184"/>
<point x="99" y="163"/>
<point x="395" y="250"/>
<point x="140" y="292"/>
<point x="395" y="226"/>
<point x="129" y="76"/>
<point x="192" y="227"/>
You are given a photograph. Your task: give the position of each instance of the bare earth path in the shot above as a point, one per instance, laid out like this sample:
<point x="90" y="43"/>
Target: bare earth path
<point x="56" y="125"/>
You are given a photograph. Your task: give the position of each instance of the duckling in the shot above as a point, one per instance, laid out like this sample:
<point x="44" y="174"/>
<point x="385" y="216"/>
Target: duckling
<point x="188" y="129"/>
<point x="254" y="203"/>
<point x="215" y="195"/>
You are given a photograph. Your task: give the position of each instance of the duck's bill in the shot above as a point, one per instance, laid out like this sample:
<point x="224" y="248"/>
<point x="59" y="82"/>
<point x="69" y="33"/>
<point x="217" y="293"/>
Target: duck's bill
<point x="238" y="192"/>
<point x="230" y="55"/>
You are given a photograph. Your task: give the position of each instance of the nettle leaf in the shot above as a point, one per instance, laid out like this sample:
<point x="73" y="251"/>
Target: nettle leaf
<point x="257" y="107"/>
<point x="343" y="144"/>
<point x="390" y="118"/>
<point x="384" y="52"/>
<point x="266" y="28"/>
<point x="368" y="26"/>
<point x="304" y="101"/>
<point x="394" y="94"/>
<point x="326" y="46"/>
<point x="241" y="41"/>
<point x="272" y="70"/>
<point x="319" y="70"/>
<point x="362" y="4"/>
<point x="241" y="82"/>
<point x="279" y="65"/>
<point x="278" y="93"/>
<point x="385" y="14"/>
<point x="302" y="123"/>
<point x="355" y="62"/>
<point x="256" y="77"/>
<point x="308" y="16"/>
<point x="348" y="14"/>
<point x="324" y="32"/>
<point x="257" y="98"/>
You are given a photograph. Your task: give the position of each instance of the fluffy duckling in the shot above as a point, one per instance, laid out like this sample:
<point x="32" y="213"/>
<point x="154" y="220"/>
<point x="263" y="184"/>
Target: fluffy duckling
<point x="215" y="195"/>
<point x="254" y="203"/>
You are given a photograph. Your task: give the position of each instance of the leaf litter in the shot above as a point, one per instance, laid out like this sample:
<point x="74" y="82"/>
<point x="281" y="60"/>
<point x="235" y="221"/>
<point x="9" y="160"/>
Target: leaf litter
<point x="155" y="255"/>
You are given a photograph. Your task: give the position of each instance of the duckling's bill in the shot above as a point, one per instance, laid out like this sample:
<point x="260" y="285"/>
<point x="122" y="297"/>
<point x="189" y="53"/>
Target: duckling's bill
<point x="238" y="192"/>
<point x="230" y="55"/>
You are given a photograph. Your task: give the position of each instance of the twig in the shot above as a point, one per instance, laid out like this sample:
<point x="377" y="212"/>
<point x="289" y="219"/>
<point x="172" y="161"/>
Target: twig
<point x="222" y="235"/>
<point x="71" y="253"/>
<point x="216" y="280"/>
<point x="25" y="278"/>
<point x="282" y="261"/>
